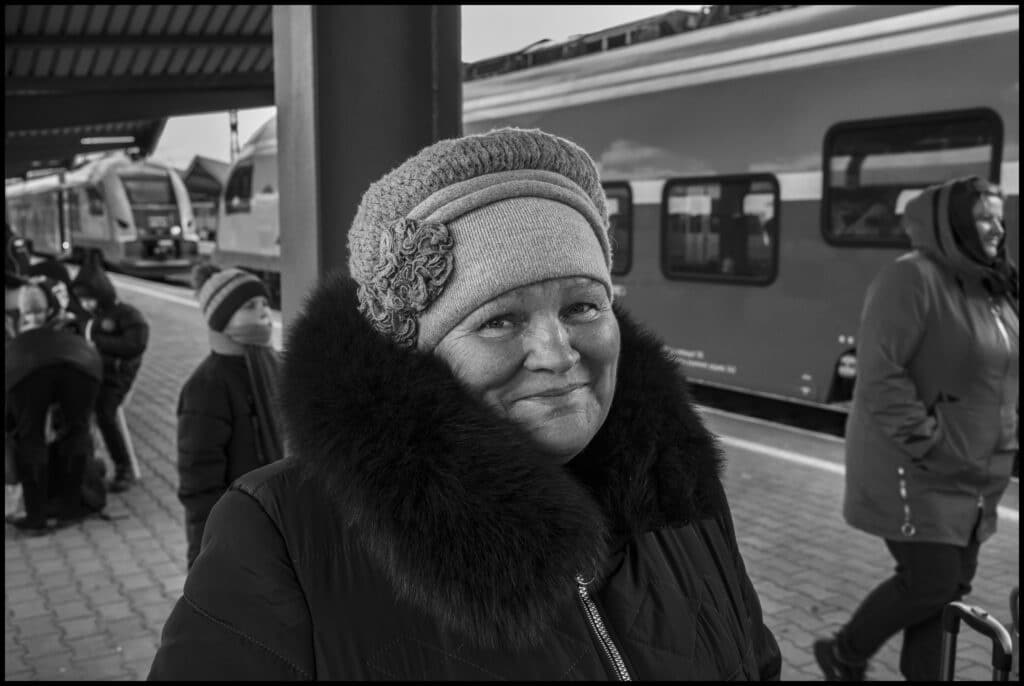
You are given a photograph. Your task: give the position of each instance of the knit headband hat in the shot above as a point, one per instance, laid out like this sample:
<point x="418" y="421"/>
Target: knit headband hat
<point x="470" y="218"/>
<point x="221" y="292"/>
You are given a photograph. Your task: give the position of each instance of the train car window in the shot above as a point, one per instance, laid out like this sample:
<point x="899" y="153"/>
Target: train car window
<point x="722" y="228"/>
<point x="620" y="218"/>
<point x="873" y="168"/>
<point x="238" y="192"/>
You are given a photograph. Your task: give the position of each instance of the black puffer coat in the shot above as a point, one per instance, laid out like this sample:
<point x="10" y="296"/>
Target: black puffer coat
<point x="415" y="535"/>
<point x="216" y="438"/>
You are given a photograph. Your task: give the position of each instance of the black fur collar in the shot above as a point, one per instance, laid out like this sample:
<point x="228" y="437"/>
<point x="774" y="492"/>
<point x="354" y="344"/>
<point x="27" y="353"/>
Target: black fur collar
<point x="455" y="504"/>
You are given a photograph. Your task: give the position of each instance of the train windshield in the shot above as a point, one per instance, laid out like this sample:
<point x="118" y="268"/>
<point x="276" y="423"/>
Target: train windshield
<point x="149" y="189"/>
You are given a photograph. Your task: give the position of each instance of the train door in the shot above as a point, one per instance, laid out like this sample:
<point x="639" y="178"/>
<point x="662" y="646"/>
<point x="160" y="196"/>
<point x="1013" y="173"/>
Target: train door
<point x="236" y="207"/>
<point x="264" y="206"/>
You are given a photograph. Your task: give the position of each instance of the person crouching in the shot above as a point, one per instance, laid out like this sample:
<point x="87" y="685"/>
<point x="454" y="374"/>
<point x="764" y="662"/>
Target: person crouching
<point x="48" y="363"/>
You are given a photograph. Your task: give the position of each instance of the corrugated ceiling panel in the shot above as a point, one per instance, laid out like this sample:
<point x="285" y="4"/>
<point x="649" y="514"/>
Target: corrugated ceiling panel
<point x="159" y="65"/>
<point x="254" y="20"/>
<point x="195" y="63"/>
<point x="12" y="18"/>
<point x="197" y="23"/>
<point x="55" y="20"/>
<point x="97" y="24"/>
<point x="179" y="16"/>
<point x="124" y="60"/>
<point x="237" y="15"/>
<point x="158" y="19"/>
<point x="251" y="55"/>
<point x="77" y="16"/>
<point x="33" y="20"/>
<point x="267" y="26"/>
<point x="177" y="62"/>
<point x="65" y="60"/>
<point x="44" y="60"/>
<point x="141" y="62"/>
<point x="118" y="20"/>
<point x="213" y="64"/>
<point x="215" y="25"/>
<point x="231" y="61"/>
<point x="22" y="63"/>
<point x="265" y="60"/>
<point x="83" y="64"/>
<point x="101" y="66"/>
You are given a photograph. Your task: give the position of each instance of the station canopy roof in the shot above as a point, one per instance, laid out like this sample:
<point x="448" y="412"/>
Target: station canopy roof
<point x="87" y="78"/>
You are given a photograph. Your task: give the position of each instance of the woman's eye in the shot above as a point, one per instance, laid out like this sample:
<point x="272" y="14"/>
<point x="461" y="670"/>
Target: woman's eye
<point x="501" y="322"/>
<point x="581" y="308"/>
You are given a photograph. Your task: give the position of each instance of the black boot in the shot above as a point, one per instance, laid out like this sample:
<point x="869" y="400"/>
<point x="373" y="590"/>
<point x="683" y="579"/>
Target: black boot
<point x="121" y="483"/>
<point x="835" y="668"/>
<point x="33" y="526"/>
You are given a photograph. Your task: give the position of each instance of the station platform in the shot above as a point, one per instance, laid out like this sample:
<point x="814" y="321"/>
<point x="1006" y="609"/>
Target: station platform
<point x="89" y="602"/>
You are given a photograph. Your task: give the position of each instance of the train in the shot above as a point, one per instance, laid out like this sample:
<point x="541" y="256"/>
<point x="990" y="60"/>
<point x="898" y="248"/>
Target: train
<point x="756" y="172"/>
<point x="135" y="213"/>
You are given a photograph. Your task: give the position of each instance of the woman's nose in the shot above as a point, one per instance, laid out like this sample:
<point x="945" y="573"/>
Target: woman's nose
<point x="549" y="347"/>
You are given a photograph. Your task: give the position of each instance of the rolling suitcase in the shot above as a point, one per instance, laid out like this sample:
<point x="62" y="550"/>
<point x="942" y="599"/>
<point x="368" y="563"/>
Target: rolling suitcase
<point x="983" y="622"/>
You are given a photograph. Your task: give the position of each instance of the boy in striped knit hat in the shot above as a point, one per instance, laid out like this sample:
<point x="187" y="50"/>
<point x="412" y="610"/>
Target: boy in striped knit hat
<point x="226" y="420"/>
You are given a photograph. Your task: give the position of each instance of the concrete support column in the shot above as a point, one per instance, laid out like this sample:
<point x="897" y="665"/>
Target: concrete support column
<point x="358" y="89"/>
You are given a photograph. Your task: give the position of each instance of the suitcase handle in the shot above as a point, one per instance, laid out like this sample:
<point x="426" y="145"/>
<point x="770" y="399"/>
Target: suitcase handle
<point x="984" y="623"/>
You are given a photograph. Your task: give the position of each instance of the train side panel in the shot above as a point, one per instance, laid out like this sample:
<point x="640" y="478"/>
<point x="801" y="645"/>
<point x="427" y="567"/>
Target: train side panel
<point x="786" y="337"/>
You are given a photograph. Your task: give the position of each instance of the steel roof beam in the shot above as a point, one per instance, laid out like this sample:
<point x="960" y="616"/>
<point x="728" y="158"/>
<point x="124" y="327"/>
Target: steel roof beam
<point x="113" y="86"/>
<point x="51" y="111"/>
<point x="42" y="42"/>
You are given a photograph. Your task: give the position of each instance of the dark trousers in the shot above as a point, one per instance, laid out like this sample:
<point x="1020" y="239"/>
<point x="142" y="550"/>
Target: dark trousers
<point x="928" y="575"/>
<point x="74" y="392"/>
<point x="109" y="399"/>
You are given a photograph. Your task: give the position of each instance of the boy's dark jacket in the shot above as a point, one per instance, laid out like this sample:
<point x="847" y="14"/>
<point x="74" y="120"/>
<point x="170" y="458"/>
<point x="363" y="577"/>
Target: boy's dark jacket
<point x="216" y="438"/>
<point x="415" y="535"/>
<point x="118" y="329"/>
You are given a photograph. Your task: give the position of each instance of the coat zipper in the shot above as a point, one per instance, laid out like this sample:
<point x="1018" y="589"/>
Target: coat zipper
<point x="600" y="632"/>
<point x="1001" y="327"/>
<point x="994" y="306"/>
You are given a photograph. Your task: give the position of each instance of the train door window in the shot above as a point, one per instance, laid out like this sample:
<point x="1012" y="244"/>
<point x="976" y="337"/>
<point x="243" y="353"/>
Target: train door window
<point x="74" y="211"/>
<point x="620" y="218"/>
<point x="873" y="168"/>
<point x="238" y="192"/>
<point x="722" y="228"/>
<point x="95" y="198"/>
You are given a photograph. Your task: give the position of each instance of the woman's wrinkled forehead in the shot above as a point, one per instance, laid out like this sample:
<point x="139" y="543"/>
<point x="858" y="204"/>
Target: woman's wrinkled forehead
<point x="562" y="285"/>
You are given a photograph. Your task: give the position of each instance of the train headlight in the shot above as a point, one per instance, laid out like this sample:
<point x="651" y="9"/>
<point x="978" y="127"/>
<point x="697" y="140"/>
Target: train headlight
<point x="847" y="366"/>
<point x="65" y="245"/>
<point x="175" y="230"/>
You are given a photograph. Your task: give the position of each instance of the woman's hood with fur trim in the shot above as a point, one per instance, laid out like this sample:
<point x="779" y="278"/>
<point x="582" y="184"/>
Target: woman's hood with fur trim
<point x="457" y="505"/>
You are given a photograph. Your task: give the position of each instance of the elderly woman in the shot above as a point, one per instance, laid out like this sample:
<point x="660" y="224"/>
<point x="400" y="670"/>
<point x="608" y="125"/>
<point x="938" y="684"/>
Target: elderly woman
<point x="933" y="428"/>
<point x="493" y="474"/>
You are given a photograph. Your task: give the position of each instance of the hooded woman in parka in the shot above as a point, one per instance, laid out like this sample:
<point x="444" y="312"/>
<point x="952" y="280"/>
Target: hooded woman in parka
<point x="933" y="428"/>
<point x="493" y="474"/>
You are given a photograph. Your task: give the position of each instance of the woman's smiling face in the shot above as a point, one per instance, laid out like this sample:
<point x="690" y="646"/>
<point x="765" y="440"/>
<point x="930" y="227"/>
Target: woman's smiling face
<point x="545" y="356"/>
